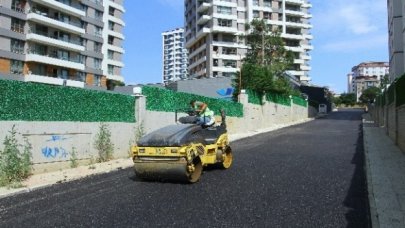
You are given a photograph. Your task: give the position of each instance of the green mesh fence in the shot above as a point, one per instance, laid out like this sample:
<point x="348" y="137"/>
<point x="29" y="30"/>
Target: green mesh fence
<point x="254" y="97"/>
<point x="383" y="97"/>
<point x="400" y="91"/>
<point x="278" y="99"/>
<point x="300" y="101"/>
<point x="169" y="101"/>
<point x="27" y="101"/>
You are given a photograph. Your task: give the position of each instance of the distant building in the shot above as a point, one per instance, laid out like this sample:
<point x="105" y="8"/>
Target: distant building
<point x="213" y="30"/>
<point x="175" y="58"/>
<point x="73" y="43"/>
<point x="366" y="75"/>
<point x="396" y="38"/>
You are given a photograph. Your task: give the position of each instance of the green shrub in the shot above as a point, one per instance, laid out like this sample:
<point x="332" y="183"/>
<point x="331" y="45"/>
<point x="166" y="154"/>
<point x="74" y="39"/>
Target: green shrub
<point x="15" y="165"/>
<point x="103" y="143"/>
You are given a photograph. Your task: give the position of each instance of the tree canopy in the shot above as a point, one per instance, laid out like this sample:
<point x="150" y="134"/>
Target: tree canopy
<point x="266" y="61"/>
<point x="369" y="95"/>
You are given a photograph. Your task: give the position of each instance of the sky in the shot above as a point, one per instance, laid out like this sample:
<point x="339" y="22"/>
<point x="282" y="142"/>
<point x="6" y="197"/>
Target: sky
<point x="346" y="33"/>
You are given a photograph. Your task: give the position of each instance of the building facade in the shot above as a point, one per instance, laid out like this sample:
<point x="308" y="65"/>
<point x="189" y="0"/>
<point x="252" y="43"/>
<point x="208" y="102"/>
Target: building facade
<point x="213" y="29"/>
<point x="396" y="38"/>
<point x="175" y="58"/>
<point x="366" y="75"/>
<point x="62" y="42"/>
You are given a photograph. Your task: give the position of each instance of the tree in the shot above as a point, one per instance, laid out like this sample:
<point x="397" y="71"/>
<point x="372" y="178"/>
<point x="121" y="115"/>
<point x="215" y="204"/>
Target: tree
<point x="348" y="99"/>
<point x="384" y="81"/>
<point x="369" y="95"/>
<point x="266" y="61"/>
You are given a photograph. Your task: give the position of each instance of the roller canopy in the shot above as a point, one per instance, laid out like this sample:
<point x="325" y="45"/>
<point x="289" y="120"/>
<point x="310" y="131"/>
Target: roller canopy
<point x="173" y="135"/>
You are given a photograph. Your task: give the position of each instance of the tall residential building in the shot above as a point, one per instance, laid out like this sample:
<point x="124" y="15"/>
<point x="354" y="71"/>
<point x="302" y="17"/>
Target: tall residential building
<point x="63" y="42"/>
<point x="366" y="75"/>
<point x="396" y="38"/>
<point x="174" y="56"/>
<point x="213" y="27"/>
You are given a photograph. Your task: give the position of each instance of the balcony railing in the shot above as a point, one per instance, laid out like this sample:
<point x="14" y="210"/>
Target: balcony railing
<point x="54" y="55"/>
<point x="79" y="7"/>
<point x="68" y="40"/>
<point x="61" y="19"/>
<point x="17" y="28"/>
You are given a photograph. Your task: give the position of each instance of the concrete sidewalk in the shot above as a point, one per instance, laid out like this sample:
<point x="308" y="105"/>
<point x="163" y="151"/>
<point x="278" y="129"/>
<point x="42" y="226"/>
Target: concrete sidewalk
<point x="385" y="167"/>
<point x="47" y="179"/>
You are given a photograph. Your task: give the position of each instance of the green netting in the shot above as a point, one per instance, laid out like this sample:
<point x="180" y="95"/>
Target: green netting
<point x="27" y="101"/>
<point x="278" y="99"/>
<point x="391" y="93"/>
<point x="254" y="97"/>
<point x="383" y="97"/>
<point x="300" y="101"/>
<point x="400" y="91"/>
<point x="169" y="101"/>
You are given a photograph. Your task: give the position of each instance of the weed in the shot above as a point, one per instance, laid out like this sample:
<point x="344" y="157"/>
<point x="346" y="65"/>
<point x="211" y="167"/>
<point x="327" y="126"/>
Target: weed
<point x="15" y="165"/>
<point x="73" y="158"/>
<point x="91" y="163"/>
<point x="103" y="143"/>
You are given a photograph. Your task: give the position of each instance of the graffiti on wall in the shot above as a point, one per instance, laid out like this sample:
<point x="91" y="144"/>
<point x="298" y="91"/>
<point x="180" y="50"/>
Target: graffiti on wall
<point x="58" y="147"/>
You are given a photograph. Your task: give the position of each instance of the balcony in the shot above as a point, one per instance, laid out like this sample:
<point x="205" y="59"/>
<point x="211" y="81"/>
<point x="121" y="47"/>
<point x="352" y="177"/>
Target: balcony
<point x="203" y="6"/>
<point x="115" y="63"/>
<point x="53" y="81"/>
<point x="203" y="19"/>
<point x="69" y="44"/>
<point x="232" y="30"/>
<point x="63" y="7"/>
<point x="52" y="59"/>
<point x="305" y="68"/>
<point x="115" y="77"/>
<point x="44" y="19"/>
<point x="117" y="6"/>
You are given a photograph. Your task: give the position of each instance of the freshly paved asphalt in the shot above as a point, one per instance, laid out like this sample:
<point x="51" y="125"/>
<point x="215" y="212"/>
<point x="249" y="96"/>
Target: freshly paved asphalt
<point x="308" y="175"/>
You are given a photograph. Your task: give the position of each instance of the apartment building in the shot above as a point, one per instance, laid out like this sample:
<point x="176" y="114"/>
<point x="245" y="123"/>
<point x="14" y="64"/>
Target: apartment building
<point x="175" y="58"/>
<point x="63" y="42"/>
<point x="396" y="38"/>
<point x="213" y="29"/>
<point x="366" y="75"/>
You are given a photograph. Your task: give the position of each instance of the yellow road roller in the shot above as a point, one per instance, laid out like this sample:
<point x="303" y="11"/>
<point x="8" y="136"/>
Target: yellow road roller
<point x="179" y="152"/>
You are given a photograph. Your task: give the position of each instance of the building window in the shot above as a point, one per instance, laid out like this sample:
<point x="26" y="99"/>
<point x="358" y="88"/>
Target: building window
<point x="266" y="3"/>
<point x="224" y="10"/>
<point x="111" y="11"/>
<point x="256" y="2"/>
<point x="97" y="80"/>
<point x="16" y="67"/>
<point x="18" y="5"/>
<point x="224" y="22"/>
<point x="98" y="31"/>
<point x="98" y="15"/>
<point x="229" y="51"/>
<point x="110" y="69"/>
<point x="256" y="14"/>
<point x="111" y="25"/>
<point x="97" y="64"/>
<point x="17" y="25"/>
<point x="110" y="54"/>
<point x="97" y="47"/>
<point x="17" y="46"/>
<point x="80" y="76"/>
<point x="110" y="40"/>
<point x="229" y="63"/>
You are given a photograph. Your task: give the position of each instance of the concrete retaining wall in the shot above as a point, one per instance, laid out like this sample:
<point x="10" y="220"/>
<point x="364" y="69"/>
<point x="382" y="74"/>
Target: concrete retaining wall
<point x="53" y="142"/>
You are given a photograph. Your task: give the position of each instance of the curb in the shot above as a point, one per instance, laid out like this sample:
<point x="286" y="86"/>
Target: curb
<point x="372" y="206"/>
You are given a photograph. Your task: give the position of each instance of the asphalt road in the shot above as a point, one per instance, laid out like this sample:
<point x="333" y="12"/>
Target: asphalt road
<point x="308" y="175"/>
